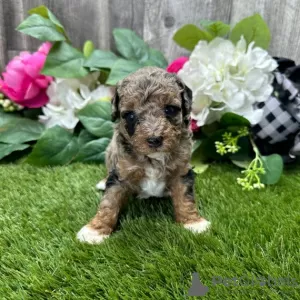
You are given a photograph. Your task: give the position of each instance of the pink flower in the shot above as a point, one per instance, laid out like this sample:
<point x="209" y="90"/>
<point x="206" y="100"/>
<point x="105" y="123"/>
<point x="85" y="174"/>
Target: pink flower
<point x="176" y="65"/>
<point x="22" y="81"/>
<point x="194" y="126"/>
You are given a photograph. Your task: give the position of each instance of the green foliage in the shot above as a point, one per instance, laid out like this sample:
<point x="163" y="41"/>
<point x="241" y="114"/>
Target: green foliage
<point x="93" y="151"/>
<point x="207" y="149"/>
<point x="130" y="45"/>
<point x="45" y="12"/>
<point x="64" y="61"/>
<point x="198" y="163"/>
<point x="91" y="148"/>
<point x="224" y="140"/>
<point x="209" y="129"/>
<point x="189" y="35"/>
<point x="217" y="28"/>
<point x="243" y="164"/>
<point x="6" y="117"/>
<point x="101" y="59"/>
<point x="88" y="48"/>
<point x="245" y="152"/>
<point x="96" y="118"/>
<point x="133" y="48"/>
<point x="85" y="137"/>
<point x="273" y="166"/>
<point x="253" y="28"/>
<point x="6" y="149"/>
<point x="120" y="69"/>
<point x="137" y="53"/>
<point x="57" y="146"/>
<point x="156" y="58"/>
<point x="10" y="138"/>
<point x="230" y="119"/>
<point x="41" y="28"/>
<point x="20" y="130"/>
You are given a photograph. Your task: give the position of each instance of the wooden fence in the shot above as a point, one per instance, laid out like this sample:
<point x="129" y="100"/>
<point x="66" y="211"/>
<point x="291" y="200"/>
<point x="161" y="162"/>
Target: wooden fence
<point x="154" y="20"/>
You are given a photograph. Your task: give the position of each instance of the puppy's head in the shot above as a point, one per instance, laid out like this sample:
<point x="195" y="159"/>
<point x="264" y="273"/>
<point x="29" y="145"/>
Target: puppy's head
<point x="153" y="108"/>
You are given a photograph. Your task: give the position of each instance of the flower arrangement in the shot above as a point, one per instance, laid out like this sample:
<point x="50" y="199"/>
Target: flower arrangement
<point x="232" y="77"/>
<point x="55" y="102"/>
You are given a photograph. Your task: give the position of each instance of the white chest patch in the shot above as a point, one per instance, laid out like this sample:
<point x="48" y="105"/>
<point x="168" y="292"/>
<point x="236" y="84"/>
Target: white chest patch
<point x="153" y="185"/>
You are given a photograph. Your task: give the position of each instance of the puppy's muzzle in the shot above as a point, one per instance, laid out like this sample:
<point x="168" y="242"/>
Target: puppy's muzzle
<point x="155" y="141"/>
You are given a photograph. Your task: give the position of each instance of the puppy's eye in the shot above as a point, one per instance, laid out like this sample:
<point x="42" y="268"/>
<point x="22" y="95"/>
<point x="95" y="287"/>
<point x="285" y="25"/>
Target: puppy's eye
<point x="129" y="116"/>
<point x="131" y="120"/>
<point x="171" y="110"/>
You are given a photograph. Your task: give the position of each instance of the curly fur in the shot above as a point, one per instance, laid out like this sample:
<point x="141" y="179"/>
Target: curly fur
<point x="136" y="168"/>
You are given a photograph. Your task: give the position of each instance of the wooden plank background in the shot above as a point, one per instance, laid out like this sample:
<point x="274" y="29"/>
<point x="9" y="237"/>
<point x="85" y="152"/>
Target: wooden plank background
<point x="154" y="20"/>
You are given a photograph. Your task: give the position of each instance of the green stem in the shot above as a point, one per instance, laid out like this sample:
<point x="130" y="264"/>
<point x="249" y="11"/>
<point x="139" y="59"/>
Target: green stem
<point x="254" y="146"/>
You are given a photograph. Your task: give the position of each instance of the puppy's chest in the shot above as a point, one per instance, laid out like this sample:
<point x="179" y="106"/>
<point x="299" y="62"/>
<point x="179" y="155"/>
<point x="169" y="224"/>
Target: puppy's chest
<point x="153" y="184"/>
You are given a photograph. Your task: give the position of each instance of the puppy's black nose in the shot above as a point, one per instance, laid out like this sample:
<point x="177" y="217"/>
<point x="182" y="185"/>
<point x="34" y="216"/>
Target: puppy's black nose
<point x="155" y="141"/>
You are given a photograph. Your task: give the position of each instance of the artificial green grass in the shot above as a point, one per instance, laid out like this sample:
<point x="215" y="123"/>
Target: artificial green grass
<point x="149" y="256"/>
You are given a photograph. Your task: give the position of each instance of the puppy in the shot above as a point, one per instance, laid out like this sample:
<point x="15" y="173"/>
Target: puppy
<point x="150" y="151"/>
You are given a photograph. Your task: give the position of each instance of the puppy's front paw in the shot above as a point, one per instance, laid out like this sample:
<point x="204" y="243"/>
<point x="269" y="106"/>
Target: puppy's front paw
<point x="90" y="235"/>
<point x="198" y="227"/>
<point x="101" y="185"/>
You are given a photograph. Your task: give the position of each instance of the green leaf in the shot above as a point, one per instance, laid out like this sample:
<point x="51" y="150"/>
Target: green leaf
<point x="64" y="61"/>
<point x="93" y="151"/>
<point x="20" y="130"/>
<point x="273" y="165"/>
<point x="253" y="28"/>
<point x="121" y="69"/>
<point x="232" y="119"/>
<point x="189" y="35"/>
<point x="207" y="149"/>
<point x="85" y="137"/>
<point x="130" y="45"/>
<point x="104" y="74"/>
<point x="156" y="58"/>
<point x="88" y="48"/>
<point x="32" y="113"/>
<point x="57" y="146"/>
<point x="243" y="164"/>
<point x="7" y="117"/>
<point x="210" y="129"/>
<point x="217" y="28"/>
<point x="206" y="23"/>
<point x="101" y="59"/>
<point x="96" y="118"/>
<point x="41" y="28"/>
<point x="196" y="145"/>
<point x="6" y="149"/>
<point x="199" y="167"/>
<point x="46" y="13"/>
<point x="245" y="153"/>
<point x="197" y="159"/>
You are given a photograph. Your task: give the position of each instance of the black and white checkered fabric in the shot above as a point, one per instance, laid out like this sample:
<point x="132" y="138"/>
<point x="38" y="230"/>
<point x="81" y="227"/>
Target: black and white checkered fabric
<point x="277" y="124"/>
<point x="281" y="113"/>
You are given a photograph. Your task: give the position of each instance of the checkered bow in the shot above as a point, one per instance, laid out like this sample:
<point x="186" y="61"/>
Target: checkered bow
<point x="279" y="129"/>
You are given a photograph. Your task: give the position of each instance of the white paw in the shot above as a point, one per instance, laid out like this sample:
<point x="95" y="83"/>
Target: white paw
<point x="101" y="185"/>
<point x="90" y="235"/>
<point x="198" y="226"/>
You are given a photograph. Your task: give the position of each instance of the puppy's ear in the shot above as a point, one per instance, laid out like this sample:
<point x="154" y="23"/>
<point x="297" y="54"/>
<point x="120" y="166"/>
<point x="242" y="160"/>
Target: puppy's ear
<point x="115" y="106"/>
<point x="186" y="101"/>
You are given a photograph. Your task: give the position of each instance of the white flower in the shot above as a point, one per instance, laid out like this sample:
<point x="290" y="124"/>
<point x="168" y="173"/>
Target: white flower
<point x="228" y="78"/>
<point x="67" y="96"/>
